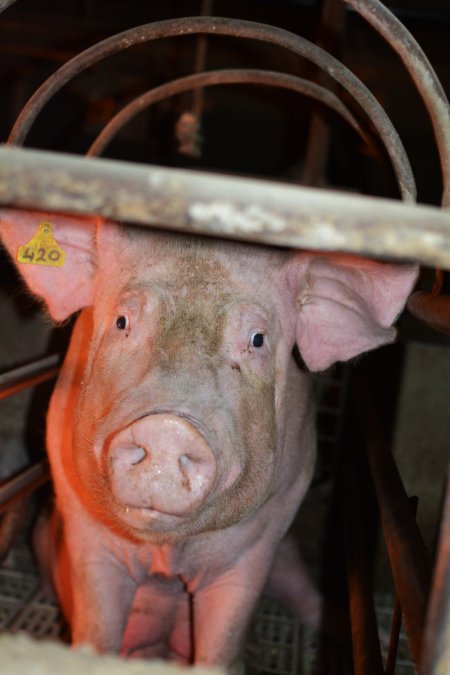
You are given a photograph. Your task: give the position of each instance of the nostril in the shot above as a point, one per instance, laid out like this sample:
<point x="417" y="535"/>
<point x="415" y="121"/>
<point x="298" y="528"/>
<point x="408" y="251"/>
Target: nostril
<point x="184" y="461"/>
<point x="137" y="455"/>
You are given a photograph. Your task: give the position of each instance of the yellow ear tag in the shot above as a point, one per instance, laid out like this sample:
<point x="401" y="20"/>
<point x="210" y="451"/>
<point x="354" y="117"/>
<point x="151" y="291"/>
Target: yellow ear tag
<point x="42" y="249"/>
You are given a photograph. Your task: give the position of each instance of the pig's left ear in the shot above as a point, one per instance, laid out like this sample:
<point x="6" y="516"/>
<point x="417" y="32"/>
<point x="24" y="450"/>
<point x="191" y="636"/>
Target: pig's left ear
<point x="39" y="250"/>
<point x="346" y="305"/>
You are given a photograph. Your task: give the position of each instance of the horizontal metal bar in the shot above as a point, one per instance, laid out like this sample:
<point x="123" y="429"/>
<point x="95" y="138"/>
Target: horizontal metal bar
<point x="23" y="484"/>
<point x="223" y="206"/>
<point x="29" y="375"/>
<point x="407" y="553"/>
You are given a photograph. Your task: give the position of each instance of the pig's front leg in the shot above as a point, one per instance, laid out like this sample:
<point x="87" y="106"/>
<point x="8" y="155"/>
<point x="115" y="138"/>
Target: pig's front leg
<point x="222" y="614"/>
<point x="102" y="601"/>
<point x="103" y="593"/>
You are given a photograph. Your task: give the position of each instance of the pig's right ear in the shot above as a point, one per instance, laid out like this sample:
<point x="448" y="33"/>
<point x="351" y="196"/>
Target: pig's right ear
<point x="66" y="288"/>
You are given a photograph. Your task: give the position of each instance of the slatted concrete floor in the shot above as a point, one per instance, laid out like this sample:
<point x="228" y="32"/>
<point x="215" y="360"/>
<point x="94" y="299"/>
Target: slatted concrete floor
<point x="273" y="645"/>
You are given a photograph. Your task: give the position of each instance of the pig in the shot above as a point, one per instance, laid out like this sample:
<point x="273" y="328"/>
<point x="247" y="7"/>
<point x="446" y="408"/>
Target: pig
<point x="181" y="429"/>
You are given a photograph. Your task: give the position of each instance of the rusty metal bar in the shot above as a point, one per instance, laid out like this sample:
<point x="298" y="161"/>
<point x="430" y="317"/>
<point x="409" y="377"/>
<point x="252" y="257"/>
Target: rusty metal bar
<point x="316" y="155"/>
<point x="407" y="553"/>
<point x="365" y="641"/>
<point x="422" y="73"/>
<point x="216" y="78"/>
<point x="189" y="125"/>
<point x="29" y="376"/>
<point x="432" y="309"/>
<point x="397" y="617"/>
<point x="23" y="484"/>
<point x="223" y="206"/>
<point x="11" y="523"/>
<point x="200" y="60"/>
<point x="188" y="128"/>
<point x="436" y="653"/>
<point x="394" y="638"/>
<point x="236" y="29"/>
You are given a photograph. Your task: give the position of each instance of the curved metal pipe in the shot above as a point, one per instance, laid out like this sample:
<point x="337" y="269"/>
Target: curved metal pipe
<point x="221" y="77"/>
<point x="233" y="28"/>
<point x="431" y="309"/>
<point x="421" y="72"/>
<point x="4" y="4"/>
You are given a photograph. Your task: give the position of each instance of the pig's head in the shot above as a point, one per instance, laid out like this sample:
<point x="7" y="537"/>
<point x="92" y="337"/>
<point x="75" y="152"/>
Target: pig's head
<point x="184" y="405"/>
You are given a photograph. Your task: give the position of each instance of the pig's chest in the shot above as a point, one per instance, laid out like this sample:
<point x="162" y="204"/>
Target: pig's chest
<point x="169" y="568"/>
<point x="158" y="622"/>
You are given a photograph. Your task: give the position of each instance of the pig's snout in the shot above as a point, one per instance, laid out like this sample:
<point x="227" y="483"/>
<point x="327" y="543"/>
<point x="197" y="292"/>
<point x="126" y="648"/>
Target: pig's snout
<point x="161" y="462"/>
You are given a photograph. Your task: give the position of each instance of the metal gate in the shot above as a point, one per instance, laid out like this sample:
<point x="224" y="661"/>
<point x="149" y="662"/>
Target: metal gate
<point x="280" y="214"/>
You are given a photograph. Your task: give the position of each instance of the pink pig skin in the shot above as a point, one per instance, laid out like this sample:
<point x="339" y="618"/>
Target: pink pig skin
<point x="181" y="445"/>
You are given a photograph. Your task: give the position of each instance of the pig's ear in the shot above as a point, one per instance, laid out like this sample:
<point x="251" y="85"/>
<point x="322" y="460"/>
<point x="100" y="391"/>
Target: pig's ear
<point x="346" y="305"/>
<point x="65" y="288"/>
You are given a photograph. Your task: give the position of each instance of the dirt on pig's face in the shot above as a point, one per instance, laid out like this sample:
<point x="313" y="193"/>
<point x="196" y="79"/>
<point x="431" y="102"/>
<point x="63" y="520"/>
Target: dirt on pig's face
<point x="176" y="422"/>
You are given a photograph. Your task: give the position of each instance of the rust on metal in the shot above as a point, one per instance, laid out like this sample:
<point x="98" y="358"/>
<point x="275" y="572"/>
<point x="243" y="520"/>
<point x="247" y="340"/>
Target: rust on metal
<point x="436" y="653"/>
<point x="28" y="376"/>
<point x="432" y="309"/>
<point x="332" y="23"/>
<point x="397" y="617"/>
<point x="407" y="553"/>
<point x="17" y="488"/>
<point x="11" y="524"/>
<point x="365" y="640"/>
<point x="189" y="125"/>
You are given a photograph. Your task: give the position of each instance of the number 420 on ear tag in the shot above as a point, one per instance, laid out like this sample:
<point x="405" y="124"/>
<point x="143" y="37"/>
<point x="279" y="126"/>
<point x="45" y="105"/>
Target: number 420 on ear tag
<point x="42" y="249"/>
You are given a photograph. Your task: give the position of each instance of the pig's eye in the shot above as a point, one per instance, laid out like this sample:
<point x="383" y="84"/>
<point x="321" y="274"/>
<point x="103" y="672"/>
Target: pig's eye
<point x="257" y="339"/>
<point x="122" y="322"/>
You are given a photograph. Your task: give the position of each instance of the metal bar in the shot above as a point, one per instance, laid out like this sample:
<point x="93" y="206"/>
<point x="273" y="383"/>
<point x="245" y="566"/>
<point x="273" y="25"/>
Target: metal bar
<point x="236" y="29"/>
<point x="436" y="653"/>
<point x="420" y="71"/>
<point x="11" y="523"/>
<point x="397" y="617"/>
<point x="432" y="309"/>
<point x="28" y="376"/>
<point x="200" y="60"/>
<point x="216" y="78"/>
<point x="223" y="206"/>
<point x="316" y="155"/>
<point x="365" y="641"/>
<point x="189" y="126"/>
<point x="4" y="4"/>
<point x="407" y="553"/>
<point x="394" y="638"/>
<point x="23" y="484"/>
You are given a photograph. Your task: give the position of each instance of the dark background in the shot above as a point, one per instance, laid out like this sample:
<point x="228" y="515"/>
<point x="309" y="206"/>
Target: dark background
<point x="247" y="130"/>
